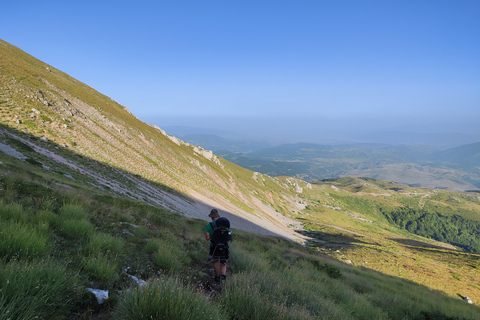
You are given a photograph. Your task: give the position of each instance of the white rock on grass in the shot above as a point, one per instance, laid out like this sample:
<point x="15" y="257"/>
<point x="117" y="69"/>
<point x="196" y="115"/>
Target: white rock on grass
<point x="101" y="295"/>
<point x="139" y="282"/>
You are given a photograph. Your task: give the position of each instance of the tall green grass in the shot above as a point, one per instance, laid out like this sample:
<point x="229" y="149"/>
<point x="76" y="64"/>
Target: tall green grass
<point x="22" y="241"/>
<point x="12" y="212"/>
<point x="166" y="299"/>
<point x="103" y="243"/>
<point x="41" y="290"/>
<point x="168" y="253"/>
<point x="74" y="222"/>
<point x="50" y="254"/>
<point x="102" y="269"/>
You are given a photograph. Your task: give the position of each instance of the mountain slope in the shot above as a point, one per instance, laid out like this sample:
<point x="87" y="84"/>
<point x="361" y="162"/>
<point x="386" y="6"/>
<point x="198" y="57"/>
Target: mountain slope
<point x="37" y="100"/>
<point x="59" y="134"/>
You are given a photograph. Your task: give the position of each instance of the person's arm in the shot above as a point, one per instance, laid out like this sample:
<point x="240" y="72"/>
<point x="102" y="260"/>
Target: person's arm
<point x="208" y="231"/>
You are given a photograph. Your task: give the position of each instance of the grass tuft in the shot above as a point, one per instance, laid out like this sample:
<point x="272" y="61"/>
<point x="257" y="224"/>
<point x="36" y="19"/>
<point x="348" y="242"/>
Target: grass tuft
<point x="22" y="242"/>
<point x="103" y="243"/>
<point x="101" y="269"/>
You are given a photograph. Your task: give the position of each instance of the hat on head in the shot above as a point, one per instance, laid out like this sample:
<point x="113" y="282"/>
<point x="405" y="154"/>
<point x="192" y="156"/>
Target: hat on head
<point x="214" y="214"/>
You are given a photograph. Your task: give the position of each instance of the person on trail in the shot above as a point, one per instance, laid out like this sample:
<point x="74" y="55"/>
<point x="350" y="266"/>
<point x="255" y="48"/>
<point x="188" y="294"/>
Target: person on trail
<point x="218" y="233"/>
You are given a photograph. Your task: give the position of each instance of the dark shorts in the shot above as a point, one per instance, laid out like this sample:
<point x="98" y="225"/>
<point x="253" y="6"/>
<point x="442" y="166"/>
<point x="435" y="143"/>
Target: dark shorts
<point x="220" y="252"/>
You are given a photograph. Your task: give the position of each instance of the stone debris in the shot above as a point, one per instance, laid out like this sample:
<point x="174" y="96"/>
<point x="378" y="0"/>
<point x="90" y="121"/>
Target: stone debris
<point x="129" y="224"/>
<point x="101" y="295"/>
<point x="139" y="282"/>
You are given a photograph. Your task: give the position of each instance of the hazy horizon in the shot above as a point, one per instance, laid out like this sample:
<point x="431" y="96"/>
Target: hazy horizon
<point x="318" y="130"/>
<point x="314" y="70"/>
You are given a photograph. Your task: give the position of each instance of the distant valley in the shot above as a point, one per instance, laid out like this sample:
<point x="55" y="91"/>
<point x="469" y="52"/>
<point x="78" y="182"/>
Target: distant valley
<point x="415" y="165"/>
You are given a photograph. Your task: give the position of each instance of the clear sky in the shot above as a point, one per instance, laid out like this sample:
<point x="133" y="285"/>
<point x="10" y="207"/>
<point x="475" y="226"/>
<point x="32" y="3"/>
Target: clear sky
<point x="292" y="63"/>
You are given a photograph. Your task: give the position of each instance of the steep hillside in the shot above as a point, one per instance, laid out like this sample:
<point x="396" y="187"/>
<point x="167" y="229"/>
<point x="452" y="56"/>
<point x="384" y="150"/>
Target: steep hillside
<point x="95" y="188"/>
<point x="68" y="122"/>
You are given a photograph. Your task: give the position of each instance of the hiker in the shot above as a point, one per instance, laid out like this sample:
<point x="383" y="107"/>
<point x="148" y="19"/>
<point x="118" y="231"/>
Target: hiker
<point x="218" y="233"/>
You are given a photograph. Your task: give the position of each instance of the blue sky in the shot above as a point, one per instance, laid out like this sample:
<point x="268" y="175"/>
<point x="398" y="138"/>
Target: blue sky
<point x="375" y="64"/>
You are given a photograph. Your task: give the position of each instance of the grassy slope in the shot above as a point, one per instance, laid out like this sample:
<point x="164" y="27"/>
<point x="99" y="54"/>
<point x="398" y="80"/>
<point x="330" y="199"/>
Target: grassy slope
<point x="72" y="241"/>
<point x="368" y="241"/>
<point x="59" y="241"/>
<point x="40" y="101"/>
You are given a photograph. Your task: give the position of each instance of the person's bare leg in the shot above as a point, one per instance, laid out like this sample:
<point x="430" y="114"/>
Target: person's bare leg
<point x="216" y="268"/>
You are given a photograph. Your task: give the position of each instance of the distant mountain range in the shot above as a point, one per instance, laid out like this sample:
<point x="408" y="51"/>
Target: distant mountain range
<point x="451" y="168"/>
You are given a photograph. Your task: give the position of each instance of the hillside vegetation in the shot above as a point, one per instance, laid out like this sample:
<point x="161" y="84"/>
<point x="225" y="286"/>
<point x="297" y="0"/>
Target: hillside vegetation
<point x="92" y="198"/>
<point x="57" y="243"/>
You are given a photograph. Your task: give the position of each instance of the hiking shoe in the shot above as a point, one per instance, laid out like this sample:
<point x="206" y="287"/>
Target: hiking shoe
<point x="224" y="278"/>
<point x="217" y="279"/>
